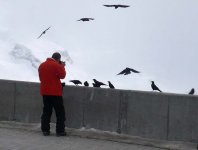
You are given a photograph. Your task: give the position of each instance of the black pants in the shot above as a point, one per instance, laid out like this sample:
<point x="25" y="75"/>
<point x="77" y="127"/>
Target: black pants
<point x="49" y="103"/>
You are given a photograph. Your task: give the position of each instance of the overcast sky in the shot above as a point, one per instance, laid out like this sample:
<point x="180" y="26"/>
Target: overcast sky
<point x="159" y="38"/>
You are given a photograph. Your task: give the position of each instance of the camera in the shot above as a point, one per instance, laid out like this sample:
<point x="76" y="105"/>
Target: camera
<point x="62" y="62"/>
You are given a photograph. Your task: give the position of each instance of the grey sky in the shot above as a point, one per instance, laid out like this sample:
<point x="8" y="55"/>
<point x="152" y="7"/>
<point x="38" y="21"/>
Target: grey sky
<point x="156" y="37"/>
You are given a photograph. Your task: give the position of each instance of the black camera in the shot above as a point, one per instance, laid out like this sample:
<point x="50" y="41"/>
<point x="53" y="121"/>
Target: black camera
<point x="61" y="62"/>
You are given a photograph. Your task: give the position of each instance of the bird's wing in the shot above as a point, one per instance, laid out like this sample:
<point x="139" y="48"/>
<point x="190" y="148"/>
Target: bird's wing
<point x="109" y="5"/>
<point x="155" y="87"/>
<point x="102" y="83"/>
<point x="98" y="82"/>
<point x="133" y="70"/>
<point x="83" y="19"/>
<point x="40" y="35"/>
<point x="91" y="18"/>
<point x="122" y="72"/>
<point x="95" y="81"/>
<point x="123" y="6"/>
<point x="47" y="28"/>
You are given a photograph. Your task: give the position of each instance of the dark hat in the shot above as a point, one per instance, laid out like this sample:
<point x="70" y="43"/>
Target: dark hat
<point x="56" y="56"/>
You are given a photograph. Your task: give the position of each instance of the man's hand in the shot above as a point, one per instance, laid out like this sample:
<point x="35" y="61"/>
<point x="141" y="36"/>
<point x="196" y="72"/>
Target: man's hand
<point x="62" y="63"/>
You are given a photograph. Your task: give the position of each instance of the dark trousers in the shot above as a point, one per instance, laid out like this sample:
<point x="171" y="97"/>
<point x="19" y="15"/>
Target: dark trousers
<point x="49" y="103"/>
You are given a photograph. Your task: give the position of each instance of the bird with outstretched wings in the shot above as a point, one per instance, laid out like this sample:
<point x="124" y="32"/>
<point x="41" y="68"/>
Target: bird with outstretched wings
<point x="85" y="19"/>
<point x="117" y="6"/>
<point x="127" y="71"/>
<point x="43" y="32"/>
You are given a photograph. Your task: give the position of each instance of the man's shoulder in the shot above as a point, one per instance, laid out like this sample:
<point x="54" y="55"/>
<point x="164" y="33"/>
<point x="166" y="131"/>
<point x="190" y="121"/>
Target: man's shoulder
<point x="50" y="59"/>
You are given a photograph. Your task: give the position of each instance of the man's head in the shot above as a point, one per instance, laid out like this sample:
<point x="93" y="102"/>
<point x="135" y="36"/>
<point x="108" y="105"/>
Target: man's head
<point x="56" y="56"/>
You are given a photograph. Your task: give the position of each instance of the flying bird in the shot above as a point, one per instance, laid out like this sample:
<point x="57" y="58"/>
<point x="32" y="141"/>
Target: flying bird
<point x="85" y="19"/>
<point x="116" y="6"/>
<point x="43" y="32"/>
<point x="154" y="87"/>
<point x="86" y="83"/>
<point x="111" y="85"/>
<point x="97" y="83"/>
<point x="76" y="82"/>
<point x="192" y="91"/>
<point x="127" y="71"/>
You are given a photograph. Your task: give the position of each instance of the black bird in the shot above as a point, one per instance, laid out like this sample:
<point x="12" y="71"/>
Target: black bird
<point x="76" y="82"/>
<point x="85" y="19"/>
<point x="127" y="71"/>
<point x="111" y="85"/>
<point x="98" y="83"/>
<point x="192" y="91"/>
<point x="116" y="6"/>
<point x="43" y="32"/>
<point x="86" y="83"/>
<point x="154" y="87"/>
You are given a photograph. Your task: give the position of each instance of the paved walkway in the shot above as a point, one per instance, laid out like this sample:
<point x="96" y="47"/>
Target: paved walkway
<point x="21" y="136"/>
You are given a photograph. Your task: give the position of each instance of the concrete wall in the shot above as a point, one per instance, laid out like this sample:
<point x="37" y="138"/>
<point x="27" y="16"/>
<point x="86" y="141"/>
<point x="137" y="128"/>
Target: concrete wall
<point x="145" y="114"/>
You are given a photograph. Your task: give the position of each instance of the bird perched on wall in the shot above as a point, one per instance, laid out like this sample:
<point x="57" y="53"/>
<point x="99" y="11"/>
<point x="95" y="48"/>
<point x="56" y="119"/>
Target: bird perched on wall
<point x="192" y="91"/>
<point x="97" y="83"/>
<point x="154" y="87"/>
<point x="86" y="83"/>
<point x="127" y="71"/>
<point x="117" y="6"/>
<point x="43" y="32"/>
<point x="85" y="19"/>
<point x="111" y="85"/>
<point x="76" y="82"/>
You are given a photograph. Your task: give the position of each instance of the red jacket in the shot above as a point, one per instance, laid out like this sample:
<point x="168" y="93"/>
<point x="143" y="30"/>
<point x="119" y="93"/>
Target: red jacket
<point x="50" y="73"/>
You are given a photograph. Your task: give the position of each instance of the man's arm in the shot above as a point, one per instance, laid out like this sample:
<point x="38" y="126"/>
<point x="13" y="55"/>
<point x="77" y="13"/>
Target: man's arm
<point x="61" y="71"/>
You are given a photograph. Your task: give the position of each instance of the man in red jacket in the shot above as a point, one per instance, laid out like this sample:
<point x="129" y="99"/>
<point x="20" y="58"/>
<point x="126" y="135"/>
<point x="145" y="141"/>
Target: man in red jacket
<point x="50" y="73"/>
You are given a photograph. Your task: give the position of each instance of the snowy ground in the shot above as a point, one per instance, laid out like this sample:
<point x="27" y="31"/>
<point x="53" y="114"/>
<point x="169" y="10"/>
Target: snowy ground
<point x="21" y="136"/>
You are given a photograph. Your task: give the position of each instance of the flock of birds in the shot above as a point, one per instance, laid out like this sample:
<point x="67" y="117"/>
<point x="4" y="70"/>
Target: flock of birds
<point x="97" y="83"/>
<point x="88" y="19"/>
<point x="126" y="71"/>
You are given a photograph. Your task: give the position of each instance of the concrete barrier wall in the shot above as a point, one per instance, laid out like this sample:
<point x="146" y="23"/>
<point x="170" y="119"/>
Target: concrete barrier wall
<point x="7" y="100"/>
<point x="183" y="118"/>
<point x="145" y="114"/>
<point x="28" y="102"/>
